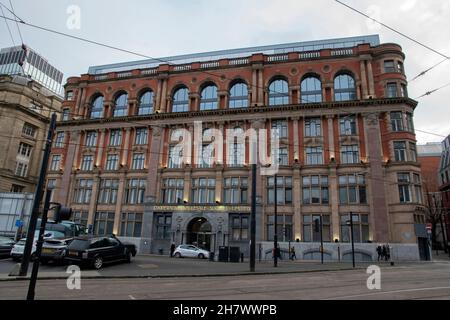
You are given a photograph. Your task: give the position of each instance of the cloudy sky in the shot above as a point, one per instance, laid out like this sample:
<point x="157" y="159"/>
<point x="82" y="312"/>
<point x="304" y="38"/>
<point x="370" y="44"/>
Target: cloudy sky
<point x="171" y="27"/>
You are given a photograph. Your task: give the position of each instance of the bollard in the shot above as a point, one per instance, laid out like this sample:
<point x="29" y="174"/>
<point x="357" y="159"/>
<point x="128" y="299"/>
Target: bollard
<point x="242" y="257"/>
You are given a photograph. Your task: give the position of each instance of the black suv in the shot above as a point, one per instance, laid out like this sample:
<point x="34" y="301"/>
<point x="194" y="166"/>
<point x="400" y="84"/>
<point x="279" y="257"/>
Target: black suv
<point x="95" y="251"/>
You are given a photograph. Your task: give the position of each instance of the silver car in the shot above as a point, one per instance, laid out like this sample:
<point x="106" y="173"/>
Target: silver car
<point x="190" y="251"/>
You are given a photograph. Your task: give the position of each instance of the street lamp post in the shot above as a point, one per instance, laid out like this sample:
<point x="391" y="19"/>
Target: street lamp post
<point x="275" y="237"/>
<point x="353" y="242"/>
<point x="321" y="240"/>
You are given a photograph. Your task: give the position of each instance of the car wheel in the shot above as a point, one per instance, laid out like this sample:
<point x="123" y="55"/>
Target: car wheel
<point x="201" y="256"/>
<point x="177" y="255"/>
<point x="98" y="262"/>
<point x="128" y="256"/>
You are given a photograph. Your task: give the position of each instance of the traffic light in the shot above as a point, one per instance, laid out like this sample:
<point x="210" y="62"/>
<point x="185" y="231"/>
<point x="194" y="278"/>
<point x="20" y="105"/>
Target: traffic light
<point x="62" y="213"/>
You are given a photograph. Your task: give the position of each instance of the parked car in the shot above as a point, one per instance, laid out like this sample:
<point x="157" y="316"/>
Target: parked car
<point x="190" y="251"/>
<point x="18" y="249"/>
<point x="6" y="245"/>
<point x="53" y="250"/>
<point x="96" y="251"/>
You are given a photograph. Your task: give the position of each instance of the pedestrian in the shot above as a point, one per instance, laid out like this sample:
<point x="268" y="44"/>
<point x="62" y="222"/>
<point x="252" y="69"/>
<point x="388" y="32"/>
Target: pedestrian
<point x="388" y="253"/>
<point x="379" y="252"/>
<point x="278" y="252"/>
<point x="384" y="252"/>
<point x="172" y="249"/>
<point x="293" y="256"/>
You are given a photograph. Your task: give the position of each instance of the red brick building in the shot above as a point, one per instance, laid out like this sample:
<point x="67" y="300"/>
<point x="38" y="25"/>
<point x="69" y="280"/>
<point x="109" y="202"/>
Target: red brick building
<point x="444" y="182"/>
<point x="347" y="144"/>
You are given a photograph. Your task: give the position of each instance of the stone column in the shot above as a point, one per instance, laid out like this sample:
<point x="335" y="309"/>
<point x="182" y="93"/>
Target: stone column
<point x="119" y="203"/>
<point x="158" y="95"/>
<point x="162" y="108"/>
<point x="94" y="197"/>
<point x="371" y="81"/>
<point x="378" y="205"/>
<point x="260" y="86"/>
<point x="69" y="163"/>
<point x="194" y="101"/>
<point x="126" y="147"/>
<point x="331" y="136"/>
<point x="101" y="147"/>
<point x="363" y="79"/>
<point x="296" y="142"/>
<point x="254" y="87"/>
<point x="151" y="190"/>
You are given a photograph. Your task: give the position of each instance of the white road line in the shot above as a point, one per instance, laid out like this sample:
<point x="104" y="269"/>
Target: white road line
<point x="131" y="297"/>
<point x="387" y="292"/>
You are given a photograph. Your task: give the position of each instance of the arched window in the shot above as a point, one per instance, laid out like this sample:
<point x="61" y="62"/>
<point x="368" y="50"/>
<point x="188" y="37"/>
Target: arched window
<point x="311" y="90"/>
<point x="146" y="103"/>
<point x="181" y="100"/>
<point x="97" y="108"/>
<point x="238" y="95"/>
<point x="278" y="92"/>
<point x="121" y="105"/>
<point x="344" y="88"/>
<point x="208" y="99"/>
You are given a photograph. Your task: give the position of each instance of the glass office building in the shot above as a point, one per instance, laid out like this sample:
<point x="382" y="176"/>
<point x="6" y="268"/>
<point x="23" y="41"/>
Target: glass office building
<point x="25" y="61"/>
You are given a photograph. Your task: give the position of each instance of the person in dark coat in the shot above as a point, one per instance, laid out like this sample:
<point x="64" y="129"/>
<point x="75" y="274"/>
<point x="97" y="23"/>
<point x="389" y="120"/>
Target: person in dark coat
<point x="379" y="252"/>
<point x="172" y="249"/>
<point x="384" y="252"/>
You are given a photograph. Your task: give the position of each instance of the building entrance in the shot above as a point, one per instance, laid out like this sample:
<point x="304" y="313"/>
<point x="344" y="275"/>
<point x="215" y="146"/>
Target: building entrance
<point x="199" y="233"/>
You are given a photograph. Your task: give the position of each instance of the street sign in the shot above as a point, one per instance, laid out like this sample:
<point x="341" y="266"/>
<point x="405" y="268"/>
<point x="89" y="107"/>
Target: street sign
<point x="429" y="226"/>
<point x="19" y="223"/>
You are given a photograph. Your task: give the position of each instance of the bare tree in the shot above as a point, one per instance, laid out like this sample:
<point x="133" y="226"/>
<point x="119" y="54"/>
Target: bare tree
<point x="434" y="213"/>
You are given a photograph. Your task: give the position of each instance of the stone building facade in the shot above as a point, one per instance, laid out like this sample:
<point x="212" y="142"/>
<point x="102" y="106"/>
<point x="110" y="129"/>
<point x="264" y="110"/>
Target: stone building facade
<point x="25" y="109"/>
<point x="347" y="144"/>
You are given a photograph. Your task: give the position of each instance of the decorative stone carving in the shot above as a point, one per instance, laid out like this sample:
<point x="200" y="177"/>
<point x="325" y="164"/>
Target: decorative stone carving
<point x="156" y="131"/>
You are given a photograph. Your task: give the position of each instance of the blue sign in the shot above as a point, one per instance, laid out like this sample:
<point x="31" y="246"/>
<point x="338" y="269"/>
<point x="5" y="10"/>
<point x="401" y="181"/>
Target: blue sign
<point x="19" y="223"/>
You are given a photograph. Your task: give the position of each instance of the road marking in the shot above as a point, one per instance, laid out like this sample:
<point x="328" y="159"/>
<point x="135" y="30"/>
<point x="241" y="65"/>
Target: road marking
<point x="387" y="292"/>
<point x="131" y="297"/>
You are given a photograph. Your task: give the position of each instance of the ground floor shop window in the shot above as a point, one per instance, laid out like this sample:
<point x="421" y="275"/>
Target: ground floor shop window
<point x="103" y="223"/>
<point x="131" y="224"/>
<point x="240" y="226"/>
<point x="311" y="228"/>
<point x="163" y="226"/>
<point x="284" y="227"/>
<point x="360" y="228"/>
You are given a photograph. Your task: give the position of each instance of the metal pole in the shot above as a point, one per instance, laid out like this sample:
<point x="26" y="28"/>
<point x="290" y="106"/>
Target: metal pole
<point x="353" y="242"/>
<point x="34" y="272"/>
<point x="253" y="221"/>
<point x="275" y="237"/>
<point x="321" y="240"/>
<point x="37" y="199"/>
<point x="443" y="233"/>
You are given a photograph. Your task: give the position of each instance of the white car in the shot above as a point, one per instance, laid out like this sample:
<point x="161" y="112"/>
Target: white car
<point x="190" y="251"/>
<point x="19" y="247"/>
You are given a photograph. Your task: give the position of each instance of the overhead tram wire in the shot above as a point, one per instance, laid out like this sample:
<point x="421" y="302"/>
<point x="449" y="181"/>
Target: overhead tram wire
<point x="403" y="35"/>
<point x="433" y="91"/>
<point x="17" y="24"/>
<point x="123" y="50"/>
<point x="131" y="52"/>
<point x="7" y="26"/>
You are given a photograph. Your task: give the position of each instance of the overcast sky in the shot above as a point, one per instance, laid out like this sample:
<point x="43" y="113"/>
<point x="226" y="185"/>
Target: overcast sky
<point x="171" y="27"/>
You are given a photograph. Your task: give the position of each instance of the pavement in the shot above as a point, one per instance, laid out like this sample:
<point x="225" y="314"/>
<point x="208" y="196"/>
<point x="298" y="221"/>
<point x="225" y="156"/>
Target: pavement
<point x="143" y="266"/>
<point x="399" y="282"/>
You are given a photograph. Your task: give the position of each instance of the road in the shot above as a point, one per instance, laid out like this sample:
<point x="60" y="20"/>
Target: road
<point x="413" y="281"/>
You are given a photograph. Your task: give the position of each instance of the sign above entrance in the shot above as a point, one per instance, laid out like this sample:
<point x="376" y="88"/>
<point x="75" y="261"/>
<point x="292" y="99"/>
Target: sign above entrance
<point x="203" y="208"/>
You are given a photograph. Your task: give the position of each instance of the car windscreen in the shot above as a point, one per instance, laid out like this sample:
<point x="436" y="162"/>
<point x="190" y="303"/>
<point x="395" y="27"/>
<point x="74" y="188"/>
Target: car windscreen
<point x="79" y="244"/>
